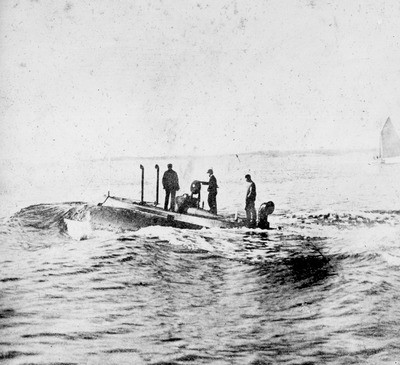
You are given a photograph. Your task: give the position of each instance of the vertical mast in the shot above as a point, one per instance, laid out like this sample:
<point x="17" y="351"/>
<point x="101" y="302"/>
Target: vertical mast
<point x="157" y="183"/>
<point x="142" y="185"/>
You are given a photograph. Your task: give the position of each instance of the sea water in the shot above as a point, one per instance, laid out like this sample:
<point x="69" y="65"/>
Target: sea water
<point x="323" y="287"/>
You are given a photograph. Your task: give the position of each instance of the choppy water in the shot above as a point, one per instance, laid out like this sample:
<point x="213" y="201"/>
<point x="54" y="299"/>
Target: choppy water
<point x="323" y="289"/>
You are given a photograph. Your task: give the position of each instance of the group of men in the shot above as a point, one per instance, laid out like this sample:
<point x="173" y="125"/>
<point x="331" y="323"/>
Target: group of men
<point x="170" y="183"/>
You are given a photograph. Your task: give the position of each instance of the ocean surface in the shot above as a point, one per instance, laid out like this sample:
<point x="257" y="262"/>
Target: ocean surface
<point x="322" y="288"/>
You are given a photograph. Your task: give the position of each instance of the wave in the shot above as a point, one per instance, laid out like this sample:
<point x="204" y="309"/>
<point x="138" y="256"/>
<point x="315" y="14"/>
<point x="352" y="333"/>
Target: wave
<point x="343" y="219"/>
<point x="80" y="220"/>
<point x="45" y="216"/>
<point x="302" y="235"/>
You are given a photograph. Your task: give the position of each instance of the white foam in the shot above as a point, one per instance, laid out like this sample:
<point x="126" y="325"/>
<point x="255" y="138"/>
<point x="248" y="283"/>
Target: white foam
<point x="79" y="230"/>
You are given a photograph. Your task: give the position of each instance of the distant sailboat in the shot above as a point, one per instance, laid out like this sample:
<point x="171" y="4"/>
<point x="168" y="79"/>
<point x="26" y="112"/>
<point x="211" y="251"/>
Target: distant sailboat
<point x="389" y="144"/>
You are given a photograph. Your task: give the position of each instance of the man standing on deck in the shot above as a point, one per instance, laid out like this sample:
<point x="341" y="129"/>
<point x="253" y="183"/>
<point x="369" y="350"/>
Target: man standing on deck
<point x="250" y="200"/>
<point x="212" y="191"/>
<point x="171" y="185"/>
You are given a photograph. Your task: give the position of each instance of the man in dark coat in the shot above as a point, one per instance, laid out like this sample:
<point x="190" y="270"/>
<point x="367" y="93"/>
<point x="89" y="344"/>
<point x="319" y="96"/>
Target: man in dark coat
<point x="170" y="183"/>
<point x="251" y="194"/>
<point x="212" y="191"/>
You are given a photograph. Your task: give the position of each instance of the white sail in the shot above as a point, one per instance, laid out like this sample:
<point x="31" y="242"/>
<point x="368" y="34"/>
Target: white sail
<point x="389" y="141"/>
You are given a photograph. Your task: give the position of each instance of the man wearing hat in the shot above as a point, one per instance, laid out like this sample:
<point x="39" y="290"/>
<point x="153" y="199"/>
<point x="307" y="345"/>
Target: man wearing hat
<point x="171" y="185"/>
<point x="212" y="191"/>
<point x="251" y="194"/>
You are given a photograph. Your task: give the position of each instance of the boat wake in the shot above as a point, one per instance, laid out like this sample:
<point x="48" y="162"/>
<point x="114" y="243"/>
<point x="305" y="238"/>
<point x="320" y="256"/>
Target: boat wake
<point x="308" y="248"/>
<point x="82" y="220"/>
<point x="79" y="220"/>
<point x="302" y="236"/>
<point x="48" y="216"/>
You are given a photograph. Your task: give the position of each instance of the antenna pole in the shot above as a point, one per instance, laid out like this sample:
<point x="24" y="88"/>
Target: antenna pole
<point x="142" y="185"/>
<point x="158" y="182"/>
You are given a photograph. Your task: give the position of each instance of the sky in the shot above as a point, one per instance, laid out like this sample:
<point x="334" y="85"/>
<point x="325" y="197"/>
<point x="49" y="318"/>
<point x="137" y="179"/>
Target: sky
<point x="89" y="79"/>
